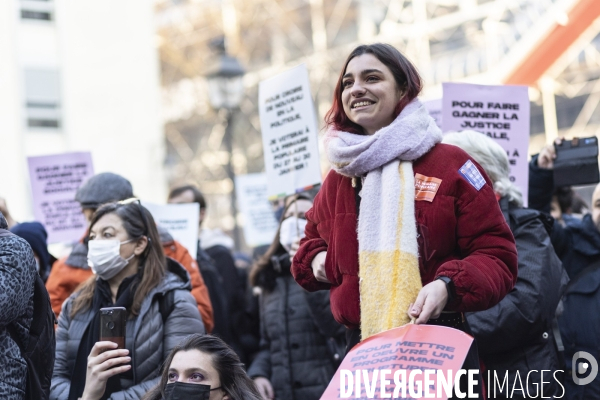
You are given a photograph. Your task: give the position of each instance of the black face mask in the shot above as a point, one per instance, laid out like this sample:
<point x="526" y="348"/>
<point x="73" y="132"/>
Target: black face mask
<point x="187" y="391"/>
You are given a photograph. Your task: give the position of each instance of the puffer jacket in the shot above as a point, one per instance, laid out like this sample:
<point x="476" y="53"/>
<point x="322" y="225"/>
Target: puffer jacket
<point x="17" y="277"/>
<point x="297" y="329"/>
<point x="69" y="272"/>
<point x="462" y="235"/>
<point x="515" y="336"/>
<point x="148" y="340"/>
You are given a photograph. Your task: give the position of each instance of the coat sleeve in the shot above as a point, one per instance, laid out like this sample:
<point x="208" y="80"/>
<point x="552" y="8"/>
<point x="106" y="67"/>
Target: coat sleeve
<point x="541" y="186"/>
<point x="17" y="273"/>
<point x="261" y="366"/>
<point x="528" y="309"/>
<point x="488" y="268"/>
<point x="61" y="376"/>
<point x="137" y="391"/>
<point x="311" y="245"/>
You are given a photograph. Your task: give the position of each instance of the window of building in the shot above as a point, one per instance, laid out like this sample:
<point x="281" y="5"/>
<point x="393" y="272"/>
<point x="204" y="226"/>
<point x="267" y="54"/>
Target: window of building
<point x="39" y="10"/>
<point x="42" y="99"/>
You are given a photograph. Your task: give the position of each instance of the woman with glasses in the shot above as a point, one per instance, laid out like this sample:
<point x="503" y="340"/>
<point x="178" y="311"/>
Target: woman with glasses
<point x="130" y="271"/>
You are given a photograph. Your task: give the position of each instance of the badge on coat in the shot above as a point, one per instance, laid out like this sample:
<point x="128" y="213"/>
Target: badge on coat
<point x="470" y="172"/>
<point x="426" y="187"/>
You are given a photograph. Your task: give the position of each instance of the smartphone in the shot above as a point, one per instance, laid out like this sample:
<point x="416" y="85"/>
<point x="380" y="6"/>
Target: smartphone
<point x="113" y="321"/>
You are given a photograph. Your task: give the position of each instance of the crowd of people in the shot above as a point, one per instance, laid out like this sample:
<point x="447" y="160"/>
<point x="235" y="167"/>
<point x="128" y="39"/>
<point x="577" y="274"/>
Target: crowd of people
<point x="409" y="226"/>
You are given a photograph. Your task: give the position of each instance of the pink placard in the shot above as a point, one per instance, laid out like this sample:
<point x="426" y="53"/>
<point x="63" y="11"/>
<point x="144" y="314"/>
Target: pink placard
<point x="500" y="112"/>
<point x="422" y="350"/>
<point x="54" y="182"/>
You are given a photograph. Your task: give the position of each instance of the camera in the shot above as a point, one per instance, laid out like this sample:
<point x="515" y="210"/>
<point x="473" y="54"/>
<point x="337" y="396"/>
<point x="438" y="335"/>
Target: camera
<point x="576" y="162"/>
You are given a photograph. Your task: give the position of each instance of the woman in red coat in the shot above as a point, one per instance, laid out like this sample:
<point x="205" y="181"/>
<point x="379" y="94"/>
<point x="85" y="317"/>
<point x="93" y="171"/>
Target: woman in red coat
<point x="414" y="221"/>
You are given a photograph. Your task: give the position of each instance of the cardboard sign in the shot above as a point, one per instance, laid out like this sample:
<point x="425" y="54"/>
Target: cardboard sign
<point x="500" y="112"/>
<point x="289" y="133"/>
<point x="434" y="107"/>
<point x="402" y="355"/>
<point x="54" y="182"/>
<point x="260" y="224"/>
<point x="181" y="220"/>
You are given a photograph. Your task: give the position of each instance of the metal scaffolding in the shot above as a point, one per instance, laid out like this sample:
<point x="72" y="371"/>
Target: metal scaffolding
<point x="479" y="41"/>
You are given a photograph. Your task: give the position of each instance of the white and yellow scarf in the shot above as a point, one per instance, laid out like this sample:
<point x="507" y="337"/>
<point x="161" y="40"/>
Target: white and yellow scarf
<point x="387" y="234"/>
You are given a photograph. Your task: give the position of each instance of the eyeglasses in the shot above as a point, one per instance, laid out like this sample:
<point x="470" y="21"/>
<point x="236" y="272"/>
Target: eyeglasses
<point x="135" y="200"/>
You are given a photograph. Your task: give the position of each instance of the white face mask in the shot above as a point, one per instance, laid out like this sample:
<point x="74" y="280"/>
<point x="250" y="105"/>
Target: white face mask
<point x="104" y="257"/>
<point x="291" y="229"/>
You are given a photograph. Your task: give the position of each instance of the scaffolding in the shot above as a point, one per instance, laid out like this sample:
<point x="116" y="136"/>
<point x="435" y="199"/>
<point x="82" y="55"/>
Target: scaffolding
<point x="478" y="41"/>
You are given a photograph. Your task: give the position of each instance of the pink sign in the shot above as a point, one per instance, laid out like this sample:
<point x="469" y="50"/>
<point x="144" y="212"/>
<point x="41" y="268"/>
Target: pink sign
<point x="409" y="362"/>
<point x="54" y="182"/>
<point x="500" y="112"/>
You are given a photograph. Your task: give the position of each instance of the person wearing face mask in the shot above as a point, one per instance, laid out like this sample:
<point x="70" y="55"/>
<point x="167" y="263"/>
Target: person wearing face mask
<point x="130" y="271"/>
<point x="203" y="367"/>
<point x="300" y="341"/>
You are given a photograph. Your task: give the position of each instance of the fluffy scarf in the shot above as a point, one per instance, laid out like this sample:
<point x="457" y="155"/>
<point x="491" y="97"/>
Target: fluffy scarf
<point x="387" y="234"/>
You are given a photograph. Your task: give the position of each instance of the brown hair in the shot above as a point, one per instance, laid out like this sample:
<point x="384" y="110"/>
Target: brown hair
<point x="406" y="75"/>
<point x="234" y="380"/>
<point x="138" y="222"/>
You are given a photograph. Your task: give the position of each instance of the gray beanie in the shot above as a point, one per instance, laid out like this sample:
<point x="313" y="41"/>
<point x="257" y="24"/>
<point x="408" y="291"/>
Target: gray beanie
<point x="103" y="188"/>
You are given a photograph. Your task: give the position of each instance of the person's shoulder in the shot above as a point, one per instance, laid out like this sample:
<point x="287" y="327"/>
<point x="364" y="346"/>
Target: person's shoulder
<point x="444" y="156"/>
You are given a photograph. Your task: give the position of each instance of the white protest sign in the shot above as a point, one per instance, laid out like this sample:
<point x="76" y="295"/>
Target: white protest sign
<point x="260" y="224"/>
<point x="181" y="220"/>
<point x="434" y="107"/>
<point x="500" y="112"/>
<point x="54" y="182"/>
<point x="289" y="133"/>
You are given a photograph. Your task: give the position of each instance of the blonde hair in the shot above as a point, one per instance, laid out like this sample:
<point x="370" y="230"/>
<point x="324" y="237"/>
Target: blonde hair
<point x="492" y="158"/>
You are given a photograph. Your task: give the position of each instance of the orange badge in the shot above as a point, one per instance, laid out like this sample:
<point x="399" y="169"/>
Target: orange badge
<point x="426" y="187"/>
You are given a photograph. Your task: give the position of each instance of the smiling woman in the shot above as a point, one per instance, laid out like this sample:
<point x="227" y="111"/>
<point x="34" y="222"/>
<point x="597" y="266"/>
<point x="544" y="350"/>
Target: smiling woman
<point x="414" y="221"/>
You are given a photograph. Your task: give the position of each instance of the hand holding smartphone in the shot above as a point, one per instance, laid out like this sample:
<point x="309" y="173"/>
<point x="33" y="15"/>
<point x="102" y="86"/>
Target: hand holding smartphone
<point x="113" y="321"/>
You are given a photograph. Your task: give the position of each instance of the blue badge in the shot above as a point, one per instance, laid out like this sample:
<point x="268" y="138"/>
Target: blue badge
<point x="470" y="172"/>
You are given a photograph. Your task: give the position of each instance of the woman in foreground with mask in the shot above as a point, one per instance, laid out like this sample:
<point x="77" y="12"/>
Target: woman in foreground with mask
<point x="299" y="337"/>
<point x="203" y="367"/>
<point x="131" y="271"/>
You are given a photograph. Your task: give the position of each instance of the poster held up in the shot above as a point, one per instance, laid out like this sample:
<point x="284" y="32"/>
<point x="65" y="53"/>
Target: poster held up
<point x="500" y="112"/>
<point x="289" y="133"/>
<point x="400" y="353"/>
<point x="260" y="224"/>
<point x="180" y="220"/>
<point x="54" y="182"/>
<point x="434" y="107"/>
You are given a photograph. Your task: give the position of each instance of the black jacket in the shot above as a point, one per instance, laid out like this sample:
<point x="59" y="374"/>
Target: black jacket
<point x="516" y="334"/>
<point x="297" y="331"/>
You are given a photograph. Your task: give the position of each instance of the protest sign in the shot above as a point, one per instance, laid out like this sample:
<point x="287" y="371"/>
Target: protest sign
<point x="404" y="362"/>
<point x="54" y="182"/>
<point x="181" y="220"/>
<point x="434" y="107"/>
<point x="289" y="133"/>
<point x="260" y="224"/>
<point x="500" y="112"/>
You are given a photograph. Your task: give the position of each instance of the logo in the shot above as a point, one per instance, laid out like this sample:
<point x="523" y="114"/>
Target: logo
<point x="580" y="368"/>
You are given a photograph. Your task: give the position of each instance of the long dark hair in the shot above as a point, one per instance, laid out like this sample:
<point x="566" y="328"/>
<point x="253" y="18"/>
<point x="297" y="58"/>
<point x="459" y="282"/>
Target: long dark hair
<point x="234" y="380"/>
<point x="264" y="263"/>
<point x="406" y="75"/>
<point x="137" y="222"/>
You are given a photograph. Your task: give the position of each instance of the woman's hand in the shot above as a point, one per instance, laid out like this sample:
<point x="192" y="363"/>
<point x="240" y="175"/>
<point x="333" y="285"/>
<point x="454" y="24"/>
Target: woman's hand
<point x="431" y="300"/>
<point x="318" y="267"/>
<point x="101" y="366"/>
<point x="294" y="249"/>
<point x="264" y="388"/>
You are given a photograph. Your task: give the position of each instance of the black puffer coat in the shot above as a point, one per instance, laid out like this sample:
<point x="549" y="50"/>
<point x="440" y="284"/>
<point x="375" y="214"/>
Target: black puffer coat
<point x="297" y="335"/>
<point x="516" y="334"/>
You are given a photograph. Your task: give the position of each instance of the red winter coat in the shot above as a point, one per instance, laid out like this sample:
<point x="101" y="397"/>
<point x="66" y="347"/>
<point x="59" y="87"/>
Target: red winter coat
<point x="462" y="235"/>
